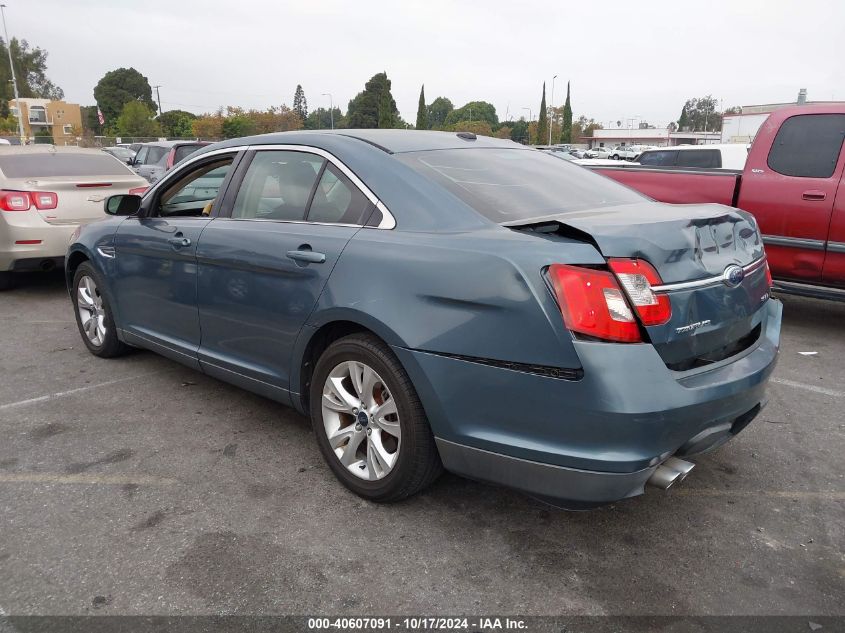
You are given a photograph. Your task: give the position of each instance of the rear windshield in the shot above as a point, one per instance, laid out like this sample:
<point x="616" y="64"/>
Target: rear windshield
<point x="47" y="164"/>
<point x="184" y="150"/>
<point x="507" y="185"/>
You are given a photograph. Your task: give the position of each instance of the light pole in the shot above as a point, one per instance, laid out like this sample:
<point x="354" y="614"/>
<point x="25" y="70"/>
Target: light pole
<point x="552" y="102"/>
<point x="331" y="106"/>
<point x="14" y="80"/>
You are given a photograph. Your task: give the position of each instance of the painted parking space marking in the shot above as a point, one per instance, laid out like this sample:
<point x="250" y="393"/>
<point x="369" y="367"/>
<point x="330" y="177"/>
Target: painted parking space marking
<point x="800" y="385"/>
<point x="70" y="392"/>
<point x="85" y="479"/>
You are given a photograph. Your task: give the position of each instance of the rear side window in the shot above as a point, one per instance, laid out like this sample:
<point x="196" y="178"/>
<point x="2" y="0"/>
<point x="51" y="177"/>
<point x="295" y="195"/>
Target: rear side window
<point x="704" y="158"/>
<point x="660" y="158"/>
<point x="277" y="186"/>
<point x="183" y="151"/>
<point x="808" y="145"/>
<point x="48" y="164"/>
<point x="338" y="201"/>
<point x="155" y="155"/>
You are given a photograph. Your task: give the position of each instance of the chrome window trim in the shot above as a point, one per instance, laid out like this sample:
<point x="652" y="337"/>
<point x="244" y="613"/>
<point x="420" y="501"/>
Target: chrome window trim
<point x="836" y="247"/>
<point x="154" y="186"/>
<point x="794" y="242"/>
<point x="707" y="281"/>
<point x="387" y="220"/>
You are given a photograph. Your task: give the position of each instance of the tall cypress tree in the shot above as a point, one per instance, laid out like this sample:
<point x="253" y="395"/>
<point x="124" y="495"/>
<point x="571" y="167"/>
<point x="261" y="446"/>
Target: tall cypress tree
<point x="422" y="111"/>
<point x="300" y="103"/>
<point x="566" y="128"/>
<point x="543" y="121"/>
<point x="385" y="110"/>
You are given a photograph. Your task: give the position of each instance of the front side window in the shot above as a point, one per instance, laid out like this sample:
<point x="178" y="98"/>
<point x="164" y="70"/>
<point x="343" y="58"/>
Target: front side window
<point x="194" y="194"/>
<point x="277" y="186"/>
<point x="155" y="155"/>
<point x="141" y="156"/>
<point x="808" y="145"/>
<point x="510" y="185"/>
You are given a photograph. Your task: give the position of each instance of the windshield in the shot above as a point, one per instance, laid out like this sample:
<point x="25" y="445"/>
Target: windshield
<point x="48" y="164"/>
<point x="507" y="185"/>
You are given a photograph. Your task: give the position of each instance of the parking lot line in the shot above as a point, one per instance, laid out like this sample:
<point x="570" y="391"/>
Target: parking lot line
<point x="80" y="478"/>
<point x="70" y="392"/>
<point x="813" y="388"/>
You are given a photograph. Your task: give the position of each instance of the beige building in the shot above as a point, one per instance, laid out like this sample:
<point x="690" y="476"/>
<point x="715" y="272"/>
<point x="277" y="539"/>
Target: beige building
<point x="63" y="120"/>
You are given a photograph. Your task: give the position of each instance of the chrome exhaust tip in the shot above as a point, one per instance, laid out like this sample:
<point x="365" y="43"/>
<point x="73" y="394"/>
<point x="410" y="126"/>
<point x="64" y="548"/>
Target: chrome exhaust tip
<point x="670" y="472"/>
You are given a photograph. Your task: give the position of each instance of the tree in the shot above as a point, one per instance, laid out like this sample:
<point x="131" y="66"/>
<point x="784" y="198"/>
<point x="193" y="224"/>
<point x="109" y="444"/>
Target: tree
<point x="373" y="105"/>
<point x="422" y="111"/>
<point x="119" y="87"/>
<point x="543" y="120"/>
<point x="584" y="127"/>
<point x="438" y="111"/>
<point x="480" y="128"/>
<point x="30" y="72"/>
<point x="474" y="111"/>
<point x="322" y="118"/>
<point x="136" y="119"/>
<point x="90" y="120"/>
<point x="519" y="131"/>
<point x="300" y="104"/>
<point x="700" y="115"/>
<point x="177" y="123"/>
<point x="566" y="135"/>
<point x="208" y="126"/>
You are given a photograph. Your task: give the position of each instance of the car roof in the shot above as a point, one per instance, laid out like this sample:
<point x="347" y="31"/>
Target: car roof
<point x="171" y="144"/>
<point x="390" y="141"/>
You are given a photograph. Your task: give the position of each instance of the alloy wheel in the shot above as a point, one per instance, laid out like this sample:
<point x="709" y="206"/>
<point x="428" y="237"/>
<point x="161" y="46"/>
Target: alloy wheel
<point x="361" y="420"/>
<point x="92" y="314"/>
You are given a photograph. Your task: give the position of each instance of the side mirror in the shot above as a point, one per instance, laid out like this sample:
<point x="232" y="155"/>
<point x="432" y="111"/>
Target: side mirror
<point x="130" y="161"/>
<point x="123" y="204"/>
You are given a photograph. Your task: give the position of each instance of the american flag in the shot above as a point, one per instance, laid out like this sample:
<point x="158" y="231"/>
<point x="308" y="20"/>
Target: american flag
<point x="100" y="116"/>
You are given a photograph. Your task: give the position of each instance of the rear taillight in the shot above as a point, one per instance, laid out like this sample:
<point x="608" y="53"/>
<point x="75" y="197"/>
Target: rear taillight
<point x="137" y="191"/>
<point x="591" y="303"/>
<point x="769" y="280"/>
<point x="170" y="157"/>
<point x="638" y="278"/>
<point x="44" y="200"/>
<point x="15" y="201"/>
<point x="23" y="200"/>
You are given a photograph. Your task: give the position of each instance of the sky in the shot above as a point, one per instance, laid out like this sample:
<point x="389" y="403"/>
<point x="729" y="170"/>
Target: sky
<point x="625" y="59"/>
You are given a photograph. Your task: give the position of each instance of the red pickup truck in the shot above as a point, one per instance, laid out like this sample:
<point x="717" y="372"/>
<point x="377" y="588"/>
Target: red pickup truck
<point x="792" y="183"/>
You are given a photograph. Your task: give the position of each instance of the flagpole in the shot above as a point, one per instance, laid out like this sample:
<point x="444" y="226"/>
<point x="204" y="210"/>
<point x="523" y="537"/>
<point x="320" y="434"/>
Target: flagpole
<point x="14" y="80"/>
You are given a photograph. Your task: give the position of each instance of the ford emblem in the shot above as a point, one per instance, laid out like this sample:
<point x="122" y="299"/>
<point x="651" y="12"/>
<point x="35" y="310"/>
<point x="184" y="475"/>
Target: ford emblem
<point x="733" y="276"/>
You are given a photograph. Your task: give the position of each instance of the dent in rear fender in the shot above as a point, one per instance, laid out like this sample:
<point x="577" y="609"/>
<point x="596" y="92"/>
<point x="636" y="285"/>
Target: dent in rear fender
<point x="477" y="294"/>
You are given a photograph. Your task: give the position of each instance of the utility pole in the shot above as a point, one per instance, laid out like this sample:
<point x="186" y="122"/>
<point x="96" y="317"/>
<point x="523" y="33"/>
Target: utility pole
<point x="158" y="98"/>
<point x="552" y="105"/>
<point x="14" y="80"/>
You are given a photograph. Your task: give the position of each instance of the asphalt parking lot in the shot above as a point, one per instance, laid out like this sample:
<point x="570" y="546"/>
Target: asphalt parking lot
<point x="137" y="486"/>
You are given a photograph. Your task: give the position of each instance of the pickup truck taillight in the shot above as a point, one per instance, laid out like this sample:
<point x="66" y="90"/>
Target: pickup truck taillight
<point x="23" y="200"/>
<point x="598" y="303"/>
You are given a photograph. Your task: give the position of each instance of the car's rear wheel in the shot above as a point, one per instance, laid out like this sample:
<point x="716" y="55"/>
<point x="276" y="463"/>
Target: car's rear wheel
<point x="369" y="422"/>
<point x="93" y="314"/>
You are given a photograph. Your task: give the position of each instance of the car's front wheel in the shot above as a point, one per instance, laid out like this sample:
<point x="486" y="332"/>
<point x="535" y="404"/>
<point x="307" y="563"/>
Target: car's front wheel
<point x="93" y="314"/>
<point x="369" y="422"/>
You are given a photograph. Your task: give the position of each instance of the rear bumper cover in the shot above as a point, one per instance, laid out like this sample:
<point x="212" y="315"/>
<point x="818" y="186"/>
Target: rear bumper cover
<point x="593" y="440"/>
<point x="25" y="226"/>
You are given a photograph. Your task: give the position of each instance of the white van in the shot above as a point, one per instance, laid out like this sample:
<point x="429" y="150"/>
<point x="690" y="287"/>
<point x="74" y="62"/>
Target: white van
<point x="716" y="156"/>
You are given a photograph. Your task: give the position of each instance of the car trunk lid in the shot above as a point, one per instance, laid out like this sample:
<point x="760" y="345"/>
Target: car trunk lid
<point x="691" y="247"/>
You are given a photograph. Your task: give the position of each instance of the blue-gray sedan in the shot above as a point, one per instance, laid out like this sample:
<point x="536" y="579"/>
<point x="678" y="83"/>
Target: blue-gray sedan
<point x="438" y="300"/>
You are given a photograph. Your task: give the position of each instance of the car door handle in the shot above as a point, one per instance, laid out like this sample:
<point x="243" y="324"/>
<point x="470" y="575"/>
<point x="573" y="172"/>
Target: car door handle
<point x="814" y="194"/>
<point x="307" y="256"/>
<point x="179" y="242"/>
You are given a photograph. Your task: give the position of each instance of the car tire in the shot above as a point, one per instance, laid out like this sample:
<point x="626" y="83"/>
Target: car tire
<point x="361" y="462"/>
<point x="98" y="332"/>
<point x="7" y="280"/>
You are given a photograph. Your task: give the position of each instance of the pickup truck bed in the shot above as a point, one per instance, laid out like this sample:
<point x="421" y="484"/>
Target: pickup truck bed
<point x="688" y="185"/>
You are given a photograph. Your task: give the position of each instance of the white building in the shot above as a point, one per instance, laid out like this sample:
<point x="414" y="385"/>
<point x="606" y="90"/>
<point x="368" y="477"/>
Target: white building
<point x="659" y="137"/>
